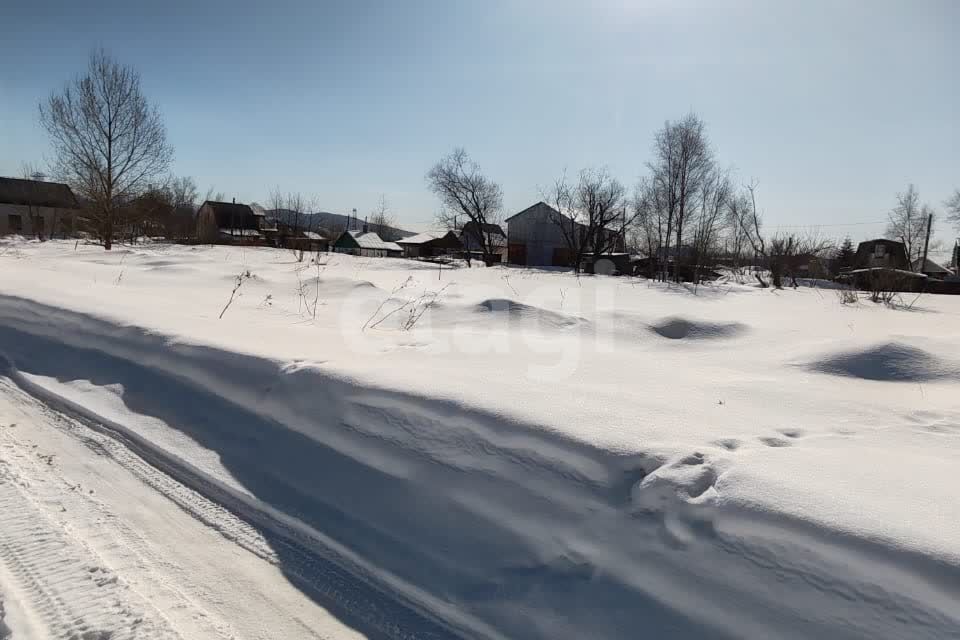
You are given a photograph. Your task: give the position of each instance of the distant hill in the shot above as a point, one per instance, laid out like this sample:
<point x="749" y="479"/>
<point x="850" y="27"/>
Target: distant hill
<point x="323" y="220"/>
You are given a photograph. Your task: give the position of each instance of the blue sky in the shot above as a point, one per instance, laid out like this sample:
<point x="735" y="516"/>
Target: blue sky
<point x="832" y="106"/>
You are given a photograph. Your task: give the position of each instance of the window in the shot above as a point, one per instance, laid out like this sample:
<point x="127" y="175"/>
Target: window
<point x="879" y="250"/>
<point x="15" y="222"/>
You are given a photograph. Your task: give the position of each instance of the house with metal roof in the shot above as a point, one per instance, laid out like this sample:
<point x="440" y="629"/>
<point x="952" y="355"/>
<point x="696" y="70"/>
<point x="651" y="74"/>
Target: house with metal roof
<point x="367" y="244"/>
<point x="538" y="236"/>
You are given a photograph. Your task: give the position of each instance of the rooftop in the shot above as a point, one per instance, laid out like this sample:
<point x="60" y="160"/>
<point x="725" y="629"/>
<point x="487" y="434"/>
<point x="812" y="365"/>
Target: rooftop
<point x="36" y="193"/>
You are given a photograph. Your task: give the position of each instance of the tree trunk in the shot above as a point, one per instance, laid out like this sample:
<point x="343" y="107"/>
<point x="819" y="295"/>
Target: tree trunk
<point x="777" y="278"/>
<point x="108" y="233"/>
<point x="666" y="248"/>
<point x="676" y="260"/>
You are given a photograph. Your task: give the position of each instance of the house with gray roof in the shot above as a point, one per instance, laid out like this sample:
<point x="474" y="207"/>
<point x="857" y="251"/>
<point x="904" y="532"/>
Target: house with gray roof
<point x="537" y="237"/>
<point x="37" y="208"/>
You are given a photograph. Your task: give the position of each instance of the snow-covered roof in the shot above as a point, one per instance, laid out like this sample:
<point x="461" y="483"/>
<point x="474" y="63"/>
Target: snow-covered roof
<point x="251" y="233"/>
<point x="901" y="272"/>
<point x="371" y="240"/>
<point x="929" y="266"/>
<point x="313" y="235"/>
<point x="420" y="238"/>
<point x="368" y="240"/>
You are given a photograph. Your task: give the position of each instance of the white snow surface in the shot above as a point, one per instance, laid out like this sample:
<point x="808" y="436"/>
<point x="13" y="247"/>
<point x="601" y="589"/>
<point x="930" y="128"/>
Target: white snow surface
<point x="519" y="453"/>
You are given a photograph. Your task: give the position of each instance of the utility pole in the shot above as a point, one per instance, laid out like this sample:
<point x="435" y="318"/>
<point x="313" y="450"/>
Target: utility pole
<point x="623" y="231"/>
<point x="926" y="243"/>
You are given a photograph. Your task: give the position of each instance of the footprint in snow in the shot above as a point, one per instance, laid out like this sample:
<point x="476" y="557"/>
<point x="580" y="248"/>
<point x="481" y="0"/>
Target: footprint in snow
<point x="792" y="433"/>
<point x="692" y="460"/>
<point x="730" y="444"/>
<point x="775" y="442"/>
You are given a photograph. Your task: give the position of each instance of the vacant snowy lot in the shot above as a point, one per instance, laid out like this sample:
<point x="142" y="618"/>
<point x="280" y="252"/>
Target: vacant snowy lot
<point x="364" y="447"/>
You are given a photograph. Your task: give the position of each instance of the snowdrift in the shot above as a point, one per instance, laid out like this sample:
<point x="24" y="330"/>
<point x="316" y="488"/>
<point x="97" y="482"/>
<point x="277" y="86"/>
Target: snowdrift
<point x="889" y="362"/>
<point x="426" y="517"/>
<point x="681" y="328"/>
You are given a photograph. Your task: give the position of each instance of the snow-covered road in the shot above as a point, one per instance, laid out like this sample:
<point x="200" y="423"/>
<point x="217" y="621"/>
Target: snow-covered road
<point x="98" y="544"/>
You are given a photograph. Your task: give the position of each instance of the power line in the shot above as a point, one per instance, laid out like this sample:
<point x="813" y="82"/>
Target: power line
<point x="838" y="224"/>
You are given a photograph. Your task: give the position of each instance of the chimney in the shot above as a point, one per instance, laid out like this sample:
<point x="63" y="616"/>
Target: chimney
<point x="234" y="201"/>
<point x="365" y="224"/>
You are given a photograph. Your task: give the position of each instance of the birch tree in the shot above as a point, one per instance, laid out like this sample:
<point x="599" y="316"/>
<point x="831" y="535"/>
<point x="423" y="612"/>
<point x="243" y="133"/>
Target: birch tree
<point x="715" y="192"/>
<point x="682" y="160"/>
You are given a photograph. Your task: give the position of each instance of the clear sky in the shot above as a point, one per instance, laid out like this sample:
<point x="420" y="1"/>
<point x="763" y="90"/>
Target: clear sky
<point x="832" y="106"/>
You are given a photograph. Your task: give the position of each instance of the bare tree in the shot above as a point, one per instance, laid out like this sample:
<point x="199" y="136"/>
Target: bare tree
<point x="109" y="142"/>
<point x="737" y="247"/>
<point x="174" y="219"/>
<point x="682" y="159"/>
<point x="382" y="221"/>
<point x="148" y="214"/>
<point x="561" y="196"/>
<point x="599" y="204"/>
<point x="716" y="189"/>
<point x="182" y="191"/>
<point x="162" y="210"/>
<point x="289" y="209"/>
<point x="782" y="250"/>
<point x="467" y="194"/>
<point x="743" y="213"/>
<point x="296" y="206"/>
<point x="213" y="196"/>
<point x="649" y="222"/>
<point x="591" y="215"/>
<point x="789" y="253"/>
<point x="953" y="208"/>
<point x="646" y="232"/>
<point x="908" y="222"/>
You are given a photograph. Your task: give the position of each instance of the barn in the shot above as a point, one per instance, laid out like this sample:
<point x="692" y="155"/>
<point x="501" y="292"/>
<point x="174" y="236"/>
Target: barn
<point x="430" y="245"/>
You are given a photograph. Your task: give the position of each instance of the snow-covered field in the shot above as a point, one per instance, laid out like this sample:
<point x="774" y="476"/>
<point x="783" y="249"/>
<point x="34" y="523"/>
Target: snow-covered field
<point x="381" y="448"/>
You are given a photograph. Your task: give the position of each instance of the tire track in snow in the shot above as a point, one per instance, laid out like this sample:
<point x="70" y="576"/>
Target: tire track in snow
<point x="209" y="513"/>
<point x="102" y="532"/>
<point x="308" y="558"/>
<point x="63" y="589"/>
